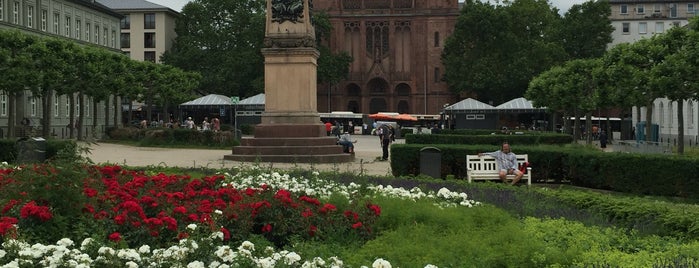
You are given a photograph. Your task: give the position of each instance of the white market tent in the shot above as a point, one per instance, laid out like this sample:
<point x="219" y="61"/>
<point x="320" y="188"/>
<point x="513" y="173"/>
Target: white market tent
<point x="209" y="100"/>
<point x="469" y="104"/>
<point x="520" y="105"/>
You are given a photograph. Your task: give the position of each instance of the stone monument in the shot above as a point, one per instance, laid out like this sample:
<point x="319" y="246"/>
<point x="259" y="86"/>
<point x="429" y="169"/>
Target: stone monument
<point x="291" y="130"/>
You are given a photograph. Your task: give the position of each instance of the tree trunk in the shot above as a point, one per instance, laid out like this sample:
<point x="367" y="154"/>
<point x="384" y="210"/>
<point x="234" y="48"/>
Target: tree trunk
<point x="46" y="113"/>
<point x="576" y="126"/>
<point x="106" y="112"/>
<point x="94" y="119"/>
<point x="588" y="128"/>
<point x="117" y="110"/>
<point x="680" y="127"/>
<point x="81" y="116"/>
<point x="649" y="120"/>
<point x="12" y="114"/>
<point x="73" y="122"/>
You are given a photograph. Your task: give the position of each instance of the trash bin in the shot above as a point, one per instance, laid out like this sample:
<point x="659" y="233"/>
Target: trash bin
<point x="31" y="150"/>
<point x="431" y="162"/>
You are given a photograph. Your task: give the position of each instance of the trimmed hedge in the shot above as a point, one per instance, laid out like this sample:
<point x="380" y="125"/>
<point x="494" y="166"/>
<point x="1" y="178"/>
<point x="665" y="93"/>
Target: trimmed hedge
<point x="642" y="174"/>
<point x="179" y="136"/>
<point x="9" y="149"/>
<point x="495" y="139"/>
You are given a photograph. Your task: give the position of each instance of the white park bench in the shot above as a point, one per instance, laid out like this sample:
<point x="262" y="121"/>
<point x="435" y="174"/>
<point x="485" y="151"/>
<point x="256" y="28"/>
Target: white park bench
<point x="486" y="168"/>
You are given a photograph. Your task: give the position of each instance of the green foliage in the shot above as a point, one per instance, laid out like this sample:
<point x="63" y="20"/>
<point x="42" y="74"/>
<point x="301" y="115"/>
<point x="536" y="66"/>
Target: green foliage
<point x="54" y="149"/>
<point x="496" y="139"/>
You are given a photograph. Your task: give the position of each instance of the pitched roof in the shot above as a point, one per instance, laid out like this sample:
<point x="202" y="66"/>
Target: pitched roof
<point x="469" y="104"/>
<point x="518" y="104"/>
<point x="211" y="99"/>
<point x="131" y="4"/>
<point x="258" y="99"/>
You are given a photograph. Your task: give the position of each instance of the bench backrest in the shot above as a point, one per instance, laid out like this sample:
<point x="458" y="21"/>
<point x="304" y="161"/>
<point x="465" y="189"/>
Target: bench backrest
<point x="488" y="163"/>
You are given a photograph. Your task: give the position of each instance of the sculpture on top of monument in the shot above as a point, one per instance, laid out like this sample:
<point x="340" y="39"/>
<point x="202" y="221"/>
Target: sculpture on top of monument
<point x="283" y="10"/>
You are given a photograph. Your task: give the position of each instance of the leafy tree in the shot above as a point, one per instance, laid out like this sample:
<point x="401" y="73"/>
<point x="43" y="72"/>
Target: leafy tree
<point x="495" y="51"/>
<point x="17" y="71"/>
<point x="586" y="30"/>
<point x="332" y="67"/>
<point x="677" y="73"/>
<point x="222" y="40"/>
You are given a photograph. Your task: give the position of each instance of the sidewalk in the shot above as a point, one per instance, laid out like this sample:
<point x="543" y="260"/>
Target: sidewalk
<point x="367" y="149"/>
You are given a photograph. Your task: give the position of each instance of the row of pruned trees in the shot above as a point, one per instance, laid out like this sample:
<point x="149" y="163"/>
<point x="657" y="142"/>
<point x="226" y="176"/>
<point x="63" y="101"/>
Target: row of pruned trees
<point x="53" y="67"/>
<point x="627" y="75"/>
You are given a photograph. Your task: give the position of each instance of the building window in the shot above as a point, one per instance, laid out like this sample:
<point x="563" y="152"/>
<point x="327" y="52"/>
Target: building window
<point x="44" y="19"/>
<point x="125" y="40"/>
<point x="56" y="21"/>
<point x="2" y="10"/>
<point x="673" y="10"/>
<point x="659" y="27"/>
<point x="625" y="28"/>
<point x="97" y="34"/>
<point x="149" y="21"/>
<point x="149" y="40"/>
<point x="126" y="22"/>
<point x="640" y="9"/>
<point x="32" y="104"/>
<point x="87" y="32"/>
<point x="657" y="8"/>
<point x="15" y="12"/>
<point x="105" y="34"/>
<point x="377" y="39"/>
<point x="3" y="103"/>
<point x="436" y="39"/>
<point x="113" y="39"/>
<point x="30" y="16"/>
<point x="68" y="105"/>
<point x="149" y="56"/>
<point x="437" y="75"/>
<point x="642" y="28"/>
<point x="78" y="31"/>
<point x="56" y="102"/>
<point x="690" y="8"/>
<point x="87" y="107"/>
<point x="624" y="9"/>
<point x="691" y="114"/>
<point x="68" y="26"/>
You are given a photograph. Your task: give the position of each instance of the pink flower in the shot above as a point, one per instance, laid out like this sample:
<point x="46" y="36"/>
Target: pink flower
<point x="357" y="225"/>
<point x="267" y="228"/>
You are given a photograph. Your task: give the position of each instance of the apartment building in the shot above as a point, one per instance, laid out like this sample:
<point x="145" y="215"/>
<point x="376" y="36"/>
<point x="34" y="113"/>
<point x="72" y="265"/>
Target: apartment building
<point x="147" y="29"/>
<point x="637" y="19"/>
<point x="83" y="21"/>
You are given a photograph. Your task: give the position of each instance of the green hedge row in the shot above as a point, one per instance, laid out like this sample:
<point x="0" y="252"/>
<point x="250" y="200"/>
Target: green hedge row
<point x="643" y="174"/>
<point x="495" y="139"/>
<point x="9" y="149"/>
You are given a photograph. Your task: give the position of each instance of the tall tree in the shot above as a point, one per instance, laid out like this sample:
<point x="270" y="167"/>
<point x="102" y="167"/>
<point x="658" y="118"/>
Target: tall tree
<point x="221" y="39"/>
<point x="677" y="73"/>
<point x="495" y="51"/>
<point x="586" y="30"/>
<point x="17" y="71"/>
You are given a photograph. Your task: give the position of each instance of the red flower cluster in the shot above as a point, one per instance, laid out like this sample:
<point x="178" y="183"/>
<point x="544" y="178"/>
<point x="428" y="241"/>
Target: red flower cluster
<point x="31" y="209"/>
<point x="156" y="209"/>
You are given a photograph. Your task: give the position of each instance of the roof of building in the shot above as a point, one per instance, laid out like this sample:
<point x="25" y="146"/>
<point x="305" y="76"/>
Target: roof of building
<point x="258" y="99"/>
<point x="518" y="104"/>
<point x="469" y="104"/>
<point x="211" y="99"/>
<point x="133" y="5"/>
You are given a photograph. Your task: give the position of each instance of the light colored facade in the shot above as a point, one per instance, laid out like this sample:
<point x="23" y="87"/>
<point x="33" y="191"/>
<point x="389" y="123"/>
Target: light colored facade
<point x="637" y="19"/>
<point x="147" y="29"/>
<point x="82" y="21"/>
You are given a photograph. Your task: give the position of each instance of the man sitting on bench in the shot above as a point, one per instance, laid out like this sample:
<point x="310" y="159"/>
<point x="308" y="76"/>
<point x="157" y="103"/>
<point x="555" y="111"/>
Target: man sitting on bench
<point x="507" y="162"/>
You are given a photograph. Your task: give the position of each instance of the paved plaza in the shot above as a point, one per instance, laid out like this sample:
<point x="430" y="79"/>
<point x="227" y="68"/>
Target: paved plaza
<point x="367" y="149"/>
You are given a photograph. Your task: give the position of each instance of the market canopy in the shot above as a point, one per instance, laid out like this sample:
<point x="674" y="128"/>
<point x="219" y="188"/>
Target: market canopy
<point x="469" y="105"/>
<point x="258" y="99"/>
<point x="209" y="100"/>
<point x="520" y="105"/>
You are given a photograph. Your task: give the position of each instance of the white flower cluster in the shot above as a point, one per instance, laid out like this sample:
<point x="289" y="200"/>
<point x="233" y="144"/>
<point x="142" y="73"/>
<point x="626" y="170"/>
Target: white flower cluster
<point x="320" y="188"/>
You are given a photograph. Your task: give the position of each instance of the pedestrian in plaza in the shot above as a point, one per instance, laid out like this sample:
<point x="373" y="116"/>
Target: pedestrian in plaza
<point x="385" y="137"/>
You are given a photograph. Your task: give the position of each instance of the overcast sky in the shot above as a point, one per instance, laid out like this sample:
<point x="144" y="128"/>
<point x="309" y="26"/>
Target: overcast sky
<point x="562" y="5"/>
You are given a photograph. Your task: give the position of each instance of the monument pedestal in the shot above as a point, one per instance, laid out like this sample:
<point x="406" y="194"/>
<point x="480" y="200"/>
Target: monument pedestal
<point x="291" y="130"/>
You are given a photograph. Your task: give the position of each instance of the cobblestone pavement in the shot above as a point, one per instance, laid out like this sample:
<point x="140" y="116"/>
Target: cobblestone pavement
<point x="367" y="149"/>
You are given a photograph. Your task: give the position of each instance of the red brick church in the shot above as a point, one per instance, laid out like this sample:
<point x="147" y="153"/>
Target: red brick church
<point x="396" y="46"/>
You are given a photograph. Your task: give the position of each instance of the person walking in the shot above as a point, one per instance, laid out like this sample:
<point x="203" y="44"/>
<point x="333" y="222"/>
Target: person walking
<point x="385" y="137"/>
